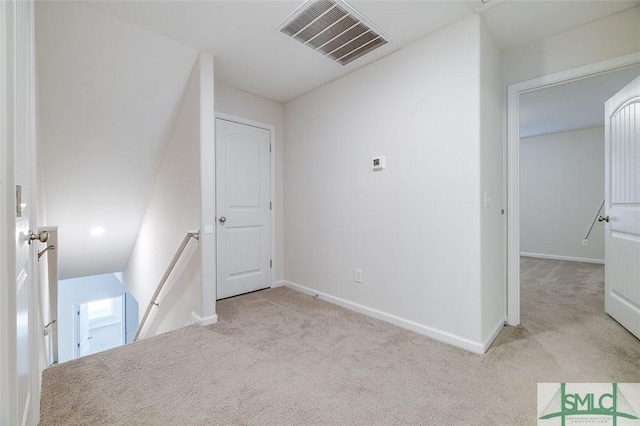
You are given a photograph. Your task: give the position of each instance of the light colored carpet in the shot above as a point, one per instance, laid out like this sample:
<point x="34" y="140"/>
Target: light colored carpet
<point x="279" y="357"/>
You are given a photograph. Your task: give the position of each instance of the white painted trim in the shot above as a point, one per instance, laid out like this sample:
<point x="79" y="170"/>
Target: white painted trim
<point x="513" y="161"/>
<point x="434" y="333"/>
<point x="52" y="280"/>
<point x="207" y="241"/>
<point x="7" y="271"/>
<point x="496" y="330"/>
<point x="203" y="321"/>
<point x="26" y="50"/>
<point x="28" y="407"/>
<point x="272" y="132"/>
<point x="567" y="258"/>
<point x="278" y="284"/>
<point x="245" y="121"/>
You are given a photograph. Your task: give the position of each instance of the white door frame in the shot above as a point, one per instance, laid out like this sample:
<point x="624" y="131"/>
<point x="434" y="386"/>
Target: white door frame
<point x="513" y="162"/>
<point x="272" y="185"/>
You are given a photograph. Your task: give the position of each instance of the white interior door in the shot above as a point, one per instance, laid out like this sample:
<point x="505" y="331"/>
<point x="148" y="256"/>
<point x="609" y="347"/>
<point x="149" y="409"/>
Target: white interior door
<point x="24" y="172"/>
<point x="24" y="284"/>
<point x="19" y="337"/>
<point x="243" y="208"/>
<point x="622" y="207"/>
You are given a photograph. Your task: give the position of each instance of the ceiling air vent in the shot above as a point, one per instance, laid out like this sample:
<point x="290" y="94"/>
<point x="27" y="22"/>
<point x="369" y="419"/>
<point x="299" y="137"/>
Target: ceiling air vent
<point x="333" y="29"/>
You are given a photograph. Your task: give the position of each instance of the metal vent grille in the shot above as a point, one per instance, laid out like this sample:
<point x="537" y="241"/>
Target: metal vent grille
<point x="333" y="29"/>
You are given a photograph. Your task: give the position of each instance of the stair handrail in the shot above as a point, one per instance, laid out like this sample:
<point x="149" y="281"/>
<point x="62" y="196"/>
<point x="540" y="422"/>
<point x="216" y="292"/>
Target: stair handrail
<point x="185" y="240"/>
<point x="586" y="237"/>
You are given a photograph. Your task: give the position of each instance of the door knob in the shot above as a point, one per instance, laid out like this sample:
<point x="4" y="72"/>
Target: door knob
<point x="42" y="236"/>
<point x="222" y="219"/>
<point x="603" y="219"/>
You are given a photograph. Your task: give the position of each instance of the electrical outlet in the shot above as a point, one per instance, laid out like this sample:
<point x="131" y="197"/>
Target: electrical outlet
<point x="585" y="243"/>
<point x="358" y="275"/>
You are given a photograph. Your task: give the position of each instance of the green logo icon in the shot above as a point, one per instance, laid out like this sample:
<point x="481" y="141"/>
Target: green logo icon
<point x="567" y="404"/>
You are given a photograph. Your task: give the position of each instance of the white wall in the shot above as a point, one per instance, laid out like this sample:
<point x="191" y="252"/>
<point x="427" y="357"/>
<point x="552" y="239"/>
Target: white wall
<point x="606" y="38"/>
<point x="601" y="40"/>
<point x="414" y="229"/>
<point x="179" y="298"/>
<point x="492" y="219"/>
<point x="80" y="290"/>
<point x="110" y="95"/>
<point x="244" y="105"/>
<point x="173" y="209"/>
<point x="48" y="265"/>
<point x="561" y="189"/>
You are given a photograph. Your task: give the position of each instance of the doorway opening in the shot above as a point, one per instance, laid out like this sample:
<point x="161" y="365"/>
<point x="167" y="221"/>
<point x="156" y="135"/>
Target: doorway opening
<point x="100" y="325"/>
<point x="516" y="94"/>
<point x="74" y="298"/>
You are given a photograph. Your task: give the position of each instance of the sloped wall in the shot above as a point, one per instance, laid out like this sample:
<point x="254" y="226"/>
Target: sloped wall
<point x="175" y="207"/>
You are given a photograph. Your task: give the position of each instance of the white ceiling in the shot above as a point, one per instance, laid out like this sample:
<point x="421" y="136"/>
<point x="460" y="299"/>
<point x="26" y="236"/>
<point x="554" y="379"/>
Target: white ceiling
<point x="111" y="76"/>
<point x="572" y="106"/>
<point x="252" y="56"/>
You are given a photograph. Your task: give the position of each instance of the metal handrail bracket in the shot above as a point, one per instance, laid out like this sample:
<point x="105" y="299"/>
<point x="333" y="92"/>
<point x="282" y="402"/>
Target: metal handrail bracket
<point x="185" y="240"/>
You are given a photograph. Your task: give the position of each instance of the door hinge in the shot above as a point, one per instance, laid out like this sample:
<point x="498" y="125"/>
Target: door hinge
<point x="270" y="148"/>
<point x="270" y="205"/>
<point x="270" y="263"/>
<point x="78" y="344"/>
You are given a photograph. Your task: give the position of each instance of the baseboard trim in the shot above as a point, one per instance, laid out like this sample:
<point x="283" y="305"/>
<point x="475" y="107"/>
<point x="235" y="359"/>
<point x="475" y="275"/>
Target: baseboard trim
<point x="434" y="333"/>
<point x="203" y="321"/>
<point x="278" y="284"/>
<point x="568" y="258"/>
<point x="497" y="329"/>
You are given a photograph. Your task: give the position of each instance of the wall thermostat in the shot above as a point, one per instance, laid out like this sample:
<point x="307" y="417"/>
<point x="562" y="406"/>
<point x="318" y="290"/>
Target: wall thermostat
<point x="377" y="163"/>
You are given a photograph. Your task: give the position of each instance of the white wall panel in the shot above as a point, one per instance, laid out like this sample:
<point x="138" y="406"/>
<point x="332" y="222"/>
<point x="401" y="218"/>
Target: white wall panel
<point x="173" y="209"/>
<point x="492" y="219"/>
<point x="606" y="38"/>
<point x="561" y="189"/>
<point x="414" y="228"/>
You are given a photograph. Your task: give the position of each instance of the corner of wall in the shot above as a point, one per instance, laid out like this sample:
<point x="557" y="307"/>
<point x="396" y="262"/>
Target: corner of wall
<point x="421" y="108"/>
<point x="174" y="208"/>
<point x="207" y="186"/>
<point x="492" y="166"/>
